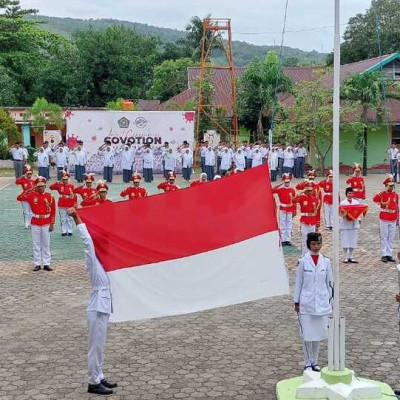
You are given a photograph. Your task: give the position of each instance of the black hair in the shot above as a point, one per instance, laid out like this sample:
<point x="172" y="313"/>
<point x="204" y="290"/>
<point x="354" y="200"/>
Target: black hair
<point x="349" y="190"/>
<point x="313" y="237"/>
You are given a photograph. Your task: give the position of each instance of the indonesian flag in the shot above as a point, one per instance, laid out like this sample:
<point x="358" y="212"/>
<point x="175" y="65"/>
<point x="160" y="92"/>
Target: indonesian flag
<point x="211" y="245"/>
<point x="353" y="211"/>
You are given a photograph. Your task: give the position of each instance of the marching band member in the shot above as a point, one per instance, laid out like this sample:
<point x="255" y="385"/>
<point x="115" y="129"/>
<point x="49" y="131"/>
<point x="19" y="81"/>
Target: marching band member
<point x="308" y="214"/>
<point x="388" y="217"/>
<point x="327" y="186"/>
<point x="356" y="182"/>
<point x="135" y="191"/>
<point x="87" y="192"/>
<point x="202" y="179"/>
<point x="312" y="299"/>
<point x="66" y="200"/>
<point x="349" y="227"/>
<point x="287" y="208"/>
<point x="26" y="183"/>
<point x="43" y="209"/>
<point x="169" y="185"/>
<point x="100" y="197"/>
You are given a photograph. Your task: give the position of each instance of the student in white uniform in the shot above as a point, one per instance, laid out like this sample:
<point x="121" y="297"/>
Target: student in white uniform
<point x="226" y="161"/>
<point x="256" y="158"/>
<point x="169" y="161"/>
<point x="273" y="163"/>
<point x="239" y="159"/>
<point x="43" y="162"/>
<point x="98" y="312"/>
<point x="187" y="164"/>
<point x="127" y="158"/>
<point x="210" y="163"/>
<point x="60" y="157"/>
<point x="312" y="299"/>
<point x="108" y="162"/>
<point x="349" y="229"/>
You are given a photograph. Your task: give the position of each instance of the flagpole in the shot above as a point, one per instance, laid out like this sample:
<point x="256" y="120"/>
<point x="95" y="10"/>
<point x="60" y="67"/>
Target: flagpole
<point x="336" y="363"/>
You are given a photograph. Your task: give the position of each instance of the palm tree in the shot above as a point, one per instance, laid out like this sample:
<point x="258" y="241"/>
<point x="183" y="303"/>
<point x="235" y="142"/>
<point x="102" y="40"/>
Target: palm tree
<point x="195" y="36"/>
<point x="366" y="90"/>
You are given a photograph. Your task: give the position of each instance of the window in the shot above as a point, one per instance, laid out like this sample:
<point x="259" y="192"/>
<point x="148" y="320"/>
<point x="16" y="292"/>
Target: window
<point x="396" y="134"/>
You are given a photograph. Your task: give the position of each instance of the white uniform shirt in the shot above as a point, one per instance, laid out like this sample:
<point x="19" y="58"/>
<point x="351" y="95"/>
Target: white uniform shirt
<point x="187" y="160"/>
<point x="392" y="153"/>
<point x="273" y="160"/>
<point x="100" y="297"/>
<point x="288" y="159"/>
<point x="257" y="159"/>
<point x="203" y="150"/>
<point x="127" y="157"/>
<point x="170" y="161"/>
<point x="301" y="152"/>
<point x="108" y="157"/>
<point x="61" y="158"/>
<point x="210" y="157"/>
<point x="80" y="157"/>
<point x="148" y="159"/>
<point x="226" y="160"/>
<point x="239" y="160"/>
<point x="344" y="222"/>
<point x="43" y="159"/>
<point x="313" y="285"/>
<point x="280" y="153"/>
<point x="17" y="154"/>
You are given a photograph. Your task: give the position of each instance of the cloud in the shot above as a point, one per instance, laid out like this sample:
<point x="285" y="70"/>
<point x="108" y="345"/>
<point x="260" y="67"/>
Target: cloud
<point x="309" y="22"/>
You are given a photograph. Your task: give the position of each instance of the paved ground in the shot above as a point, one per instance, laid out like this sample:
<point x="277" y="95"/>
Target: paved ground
<point x="237" y="352"/>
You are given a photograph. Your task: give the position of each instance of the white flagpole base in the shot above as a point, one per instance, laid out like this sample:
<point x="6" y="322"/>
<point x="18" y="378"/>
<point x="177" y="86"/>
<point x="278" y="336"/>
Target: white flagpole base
<point x="312" y="386"/>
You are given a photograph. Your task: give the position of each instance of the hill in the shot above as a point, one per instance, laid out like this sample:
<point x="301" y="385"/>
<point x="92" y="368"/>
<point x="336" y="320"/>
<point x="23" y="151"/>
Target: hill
<point x="244" y="52"/>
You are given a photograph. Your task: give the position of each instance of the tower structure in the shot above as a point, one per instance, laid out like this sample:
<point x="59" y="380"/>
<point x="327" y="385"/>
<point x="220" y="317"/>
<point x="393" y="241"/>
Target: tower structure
<point x="213" y="31"/>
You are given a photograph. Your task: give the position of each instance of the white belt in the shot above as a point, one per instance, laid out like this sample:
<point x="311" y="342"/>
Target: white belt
<point x="41" y="216"/>
<point x="307" y="214"/>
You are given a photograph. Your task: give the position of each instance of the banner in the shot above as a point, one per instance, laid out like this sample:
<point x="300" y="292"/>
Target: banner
<point x="135" y="127"/>
<point x="198" y="248"/>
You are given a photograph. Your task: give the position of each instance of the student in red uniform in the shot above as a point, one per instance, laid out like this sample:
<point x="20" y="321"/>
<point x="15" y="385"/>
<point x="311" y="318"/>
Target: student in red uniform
<point x="316" y="191"/>
<point x="135" y="191"/>
<point x="87" y="192"/>
<point x="327" y="186"/>
<point x="388" y="201"/>
<point x="43" y="209"/>
<point x="26" y="183"/>
<point x="202" y="179"/>
<point x="287" y="208"/>
<point x="100" y="197"/>
<point x="356" y="182"/>
<point x="308" y="214"/>
<point x="169" y="185"/>
<point x="66" y="200"/>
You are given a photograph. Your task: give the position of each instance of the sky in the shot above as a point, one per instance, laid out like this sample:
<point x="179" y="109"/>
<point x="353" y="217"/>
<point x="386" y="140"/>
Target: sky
<point x="309" y="22"/>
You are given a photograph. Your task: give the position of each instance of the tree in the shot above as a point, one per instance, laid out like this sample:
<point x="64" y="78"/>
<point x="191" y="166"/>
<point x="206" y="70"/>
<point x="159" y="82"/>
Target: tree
<point x="310" y="119"/>
<point x="256" y="93"/>
<point x="169" y="78"/>
<point x="365" y="90"/>
<point x="8" y="133"/>
<point x="8" y="89"/>
<point x="44" y="113"/>
<point x="116" y="62"/>
<point x="194" y="36"/>
<point x="360" y="38"/>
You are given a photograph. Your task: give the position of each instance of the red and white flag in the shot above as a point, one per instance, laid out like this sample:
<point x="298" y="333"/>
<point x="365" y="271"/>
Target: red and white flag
<point x="211" y="245"/>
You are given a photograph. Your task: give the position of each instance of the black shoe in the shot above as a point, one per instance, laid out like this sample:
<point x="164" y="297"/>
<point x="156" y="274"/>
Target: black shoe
<point x="108" y="384"/>
<point x="36" y="268"/>
<point x="330" y="228"/>
<point x="47" y="268"/>
<point x="351" y="260"/>
<point x="397" y="392"/>
<point x="288" y="244"/>
<point x="390" y="259"/>
<point x="284" y="243"/>
<point x="316" y="368"/>
<point x="69" y="234"/>
<point x="99" y="389"/>
<point x="63" y="234"/>
<point x="307" y="367"/>
<point x="384" y="259"/>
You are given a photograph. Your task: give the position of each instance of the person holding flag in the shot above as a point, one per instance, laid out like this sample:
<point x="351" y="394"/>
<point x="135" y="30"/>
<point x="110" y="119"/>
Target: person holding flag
<point x="87" y="192"/>
<point x="351" y="211"/>
<point x="66" y="200"/>
<point x="169" y="185"/>
<point x="287" y="208"/>
<point x="98" y="312"/>
<point x="43" y="209"/>
<point x="26" y="183"/>
<point x="100" y="197"/>
<point x="356" y="182"/>
<point x="134" y="191"/>
<point x="312" y="299"/>
<point x="388" y="200"/>
<point x="327" y="186"/>
<point x="202" y="179"/>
